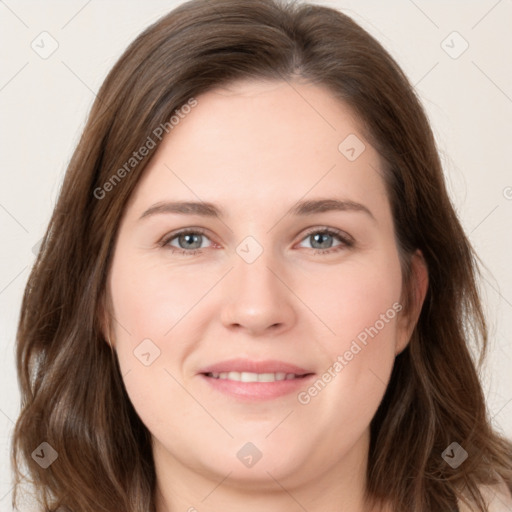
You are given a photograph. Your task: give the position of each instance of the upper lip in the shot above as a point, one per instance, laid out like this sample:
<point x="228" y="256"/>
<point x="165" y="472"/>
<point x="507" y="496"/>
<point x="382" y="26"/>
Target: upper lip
<point x="248" y="365"/>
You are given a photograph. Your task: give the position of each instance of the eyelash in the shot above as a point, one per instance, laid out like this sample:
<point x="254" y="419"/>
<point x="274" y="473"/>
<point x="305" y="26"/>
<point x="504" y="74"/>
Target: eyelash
<point x="346" y="240"/>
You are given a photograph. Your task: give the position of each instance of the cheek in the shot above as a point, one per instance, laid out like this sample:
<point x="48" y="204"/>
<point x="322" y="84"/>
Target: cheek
<point x="361" y="305"/>
<point x="355" y="297"/>
<point x="157" y="313"/>
<point x="150" y="306"/>
<point x="150" y="300"/>
<point x="147" y="305"/>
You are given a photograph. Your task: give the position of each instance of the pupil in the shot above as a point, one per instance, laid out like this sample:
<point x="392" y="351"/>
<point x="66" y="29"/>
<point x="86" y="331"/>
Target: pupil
<point x="320" y="236"/>
<point x="190" y="238"/>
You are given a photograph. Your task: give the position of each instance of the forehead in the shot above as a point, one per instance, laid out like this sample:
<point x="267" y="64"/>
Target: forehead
<point x="262" y="142"/>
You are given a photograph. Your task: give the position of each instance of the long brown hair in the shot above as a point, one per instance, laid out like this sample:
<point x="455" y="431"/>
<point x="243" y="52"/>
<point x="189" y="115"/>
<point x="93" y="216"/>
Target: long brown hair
<point x="73" y="397"/>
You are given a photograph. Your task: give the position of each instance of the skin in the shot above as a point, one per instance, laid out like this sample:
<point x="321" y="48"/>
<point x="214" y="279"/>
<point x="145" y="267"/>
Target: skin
<point x="255" y="149"/>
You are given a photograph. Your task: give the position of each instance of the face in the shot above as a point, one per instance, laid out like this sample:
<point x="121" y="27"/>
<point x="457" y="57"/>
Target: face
<point x="256" y="329"/>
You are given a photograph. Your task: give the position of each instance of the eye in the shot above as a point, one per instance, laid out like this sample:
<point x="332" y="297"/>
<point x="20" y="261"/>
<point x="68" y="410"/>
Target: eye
<point x="322" y="240"/>
<point x="188" y="242"/>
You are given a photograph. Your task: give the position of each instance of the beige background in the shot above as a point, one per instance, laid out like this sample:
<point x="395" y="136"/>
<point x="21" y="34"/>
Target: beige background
<point x="467" y="93"/>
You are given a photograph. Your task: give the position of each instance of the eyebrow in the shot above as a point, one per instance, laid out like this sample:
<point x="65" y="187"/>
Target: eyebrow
<point x="302" y="208"/>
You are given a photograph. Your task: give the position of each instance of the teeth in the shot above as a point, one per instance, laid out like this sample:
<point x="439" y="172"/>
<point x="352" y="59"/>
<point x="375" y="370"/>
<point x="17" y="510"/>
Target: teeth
<point x="253" y="377"/>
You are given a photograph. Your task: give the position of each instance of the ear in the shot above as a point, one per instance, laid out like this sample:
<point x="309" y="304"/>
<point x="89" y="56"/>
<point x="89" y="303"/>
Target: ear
<point x="416" y="289"/>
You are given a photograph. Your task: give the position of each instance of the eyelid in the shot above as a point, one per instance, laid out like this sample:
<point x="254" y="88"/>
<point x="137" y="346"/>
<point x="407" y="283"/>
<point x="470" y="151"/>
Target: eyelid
<point x="343" y="235"/>
<point x="171" y="236"/>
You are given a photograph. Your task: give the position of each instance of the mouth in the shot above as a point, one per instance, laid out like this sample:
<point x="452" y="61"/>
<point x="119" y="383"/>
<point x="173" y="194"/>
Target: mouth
<point x="255" y="377"/>
<point x="255" y="380"/>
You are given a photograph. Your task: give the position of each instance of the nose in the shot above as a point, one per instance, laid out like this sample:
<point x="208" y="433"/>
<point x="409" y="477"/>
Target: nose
<point x="257" y="299"/>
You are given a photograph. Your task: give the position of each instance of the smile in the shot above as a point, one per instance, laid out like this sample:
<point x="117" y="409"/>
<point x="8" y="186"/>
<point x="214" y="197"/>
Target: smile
<point x="254" y="377"/>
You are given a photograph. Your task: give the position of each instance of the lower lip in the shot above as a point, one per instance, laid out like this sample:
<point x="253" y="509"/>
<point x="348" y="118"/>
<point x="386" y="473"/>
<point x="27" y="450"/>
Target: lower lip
<point x="258" y="390"/>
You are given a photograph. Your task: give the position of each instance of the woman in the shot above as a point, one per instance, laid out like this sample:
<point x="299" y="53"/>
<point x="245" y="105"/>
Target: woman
<point x="309" y="349"/>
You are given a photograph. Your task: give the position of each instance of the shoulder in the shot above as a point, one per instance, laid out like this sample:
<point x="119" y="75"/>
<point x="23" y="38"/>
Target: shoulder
<point x="497" y="497"/>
